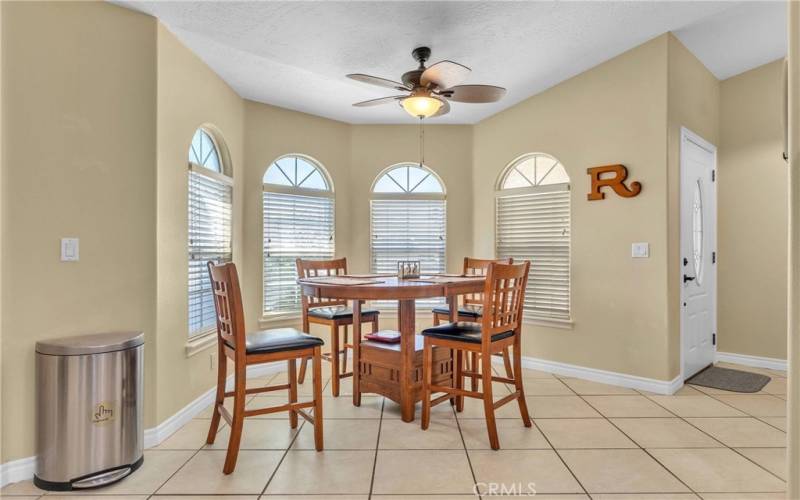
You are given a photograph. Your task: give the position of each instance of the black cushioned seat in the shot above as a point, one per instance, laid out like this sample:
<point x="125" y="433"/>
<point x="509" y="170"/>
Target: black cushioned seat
<point x="338" y="312"/>
<point x="463" y="332"/>
<point x="277" y="340"/>
<point x="465" y="310"/>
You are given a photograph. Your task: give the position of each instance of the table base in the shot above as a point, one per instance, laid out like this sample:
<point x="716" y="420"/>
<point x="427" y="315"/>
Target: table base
<point x="381" y="372"/>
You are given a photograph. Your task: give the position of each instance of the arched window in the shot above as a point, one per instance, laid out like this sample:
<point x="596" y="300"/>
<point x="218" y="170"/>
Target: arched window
<point x="408" y="219"/>
<point x="298" y="214"/>
<point x="210" y="214"/>
<point x="533" y="223"/>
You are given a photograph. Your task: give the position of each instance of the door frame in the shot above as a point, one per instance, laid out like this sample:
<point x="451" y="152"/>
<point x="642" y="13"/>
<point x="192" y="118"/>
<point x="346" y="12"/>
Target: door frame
<point x="688" y="135"/>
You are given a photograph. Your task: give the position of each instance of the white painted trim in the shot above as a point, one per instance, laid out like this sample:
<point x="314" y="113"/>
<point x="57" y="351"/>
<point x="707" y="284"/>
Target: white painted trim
<point x="280" y="320"/>
<point x="564" y="324"/>
<point x="656" y="386"/>
<point x="17" y="470"/>
<point x="156" y="435"/>
<point x="754" y="361"/>
<point x="201" y="342"/>
<point x="23" y="469"/>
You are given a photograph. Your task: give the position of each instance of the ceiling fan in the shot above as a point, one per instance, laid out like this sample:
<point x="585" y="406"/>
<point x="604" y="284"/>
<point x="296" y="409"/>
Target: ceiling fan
<point x="428" y="91"/>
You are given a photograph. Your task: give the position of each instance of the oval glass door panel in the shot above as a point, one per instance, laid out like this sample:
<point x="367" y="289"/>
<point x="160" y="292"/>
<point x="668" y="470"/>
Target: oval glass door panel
<point x="697" y="232"/>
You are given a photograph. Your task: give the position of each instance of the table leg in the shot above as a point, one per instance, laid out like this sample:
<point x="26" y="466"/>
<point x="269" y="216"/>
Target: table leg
<point x="452" y="302"/>
<point x="407" y="329"/>
<point x="357" y="353"/>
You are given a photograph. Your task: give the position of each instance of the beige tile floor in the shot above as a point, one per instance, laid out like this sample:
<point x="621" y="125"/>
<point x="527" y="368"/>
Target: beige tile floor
<point x="589" y="440"/>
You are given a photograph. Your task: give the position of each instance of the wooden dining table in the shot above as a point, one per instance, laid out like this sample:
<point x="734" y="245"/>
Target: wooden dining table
<point x="394" y="370"/>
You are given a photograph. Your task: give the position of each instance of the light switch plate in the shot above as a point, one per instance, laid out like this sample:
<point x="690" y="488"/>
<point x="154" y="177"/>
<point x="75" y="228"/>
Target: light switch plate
<point x="69" y="250"/>
<point x="640" y="250"/>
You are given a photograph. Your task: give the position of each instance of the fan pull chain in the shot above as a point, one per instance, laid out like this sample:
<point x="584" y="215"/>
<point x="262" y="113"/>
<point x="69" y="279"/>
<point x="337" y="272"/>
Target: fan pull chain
<point x="421" y="142"/>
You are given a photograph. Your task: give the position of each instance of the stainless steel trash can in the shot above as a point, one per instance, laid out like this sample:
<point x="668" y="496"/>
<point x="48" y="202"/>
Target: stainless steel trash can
<point x="88" y="410"/>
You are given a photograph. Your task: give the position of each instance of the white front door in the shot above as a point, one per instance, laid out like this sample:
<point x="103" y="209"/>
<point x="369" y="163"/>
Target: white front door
<point x="698" y="274"/>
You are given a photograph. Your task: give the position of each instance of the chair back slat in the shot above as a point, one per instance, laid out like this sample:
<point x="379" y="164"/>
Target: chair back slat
<point x="315" y="268"/>
<point x="228" y="304"/>
<point x="503" y="298"/>
<point x="479" y="267"/>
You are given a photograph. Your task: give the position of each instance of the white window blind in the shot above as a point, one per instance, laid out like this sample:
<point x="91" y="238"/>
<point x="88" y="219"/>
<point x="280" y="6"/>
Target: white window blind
<point x="209" y="239"/>
<point x="408" y="229"/>
<point x="295" y="226"/>
<point x="536" y="227"/>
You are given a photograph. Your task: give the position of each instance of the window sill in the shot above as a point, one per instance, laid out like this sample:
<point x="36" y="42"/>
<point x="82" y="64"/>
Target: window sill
<point x="201" y="342"/>
<point x="291" y="319"/>
<point x="278" y="320"/>
<point x="393" y="313"/>
<point x="564" y="324"/>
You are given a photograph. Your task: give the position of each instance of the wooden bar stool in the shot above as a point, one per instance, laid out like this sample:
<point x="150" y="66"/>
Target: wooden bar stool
<point x="280" y="344"/>
<point x="500" y="328"/>
<point x="331" y="313"/>
<point x="472" y="309"/>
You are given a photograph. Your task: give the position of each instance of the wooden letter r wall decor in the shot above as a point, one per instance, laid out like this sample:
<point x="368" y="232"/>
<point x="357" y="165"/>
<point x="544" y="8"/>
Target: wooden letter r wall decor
<point x="617" y="182"/>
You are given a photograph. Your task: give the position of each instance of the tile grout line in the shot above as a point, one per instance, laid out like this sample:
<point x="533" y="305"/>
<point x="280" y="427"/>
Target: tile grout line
<point x="731" y="447"/>
<point x="204" y="444"/>
<point x="641" y="447"/>
<point x="745" y="456"/>
<point x="196" y="451"/>
<point x="176" y="472"/>
<point x="747" y="415"/>
<point x="572" y="473"/>
<point x="283" y="457"/>
<point x="761" y="419"/>
<point x="377" y="448"/>
<point x="294" y="438"/>
<point x="713" y="396"/>
<point x="475" y="490"/>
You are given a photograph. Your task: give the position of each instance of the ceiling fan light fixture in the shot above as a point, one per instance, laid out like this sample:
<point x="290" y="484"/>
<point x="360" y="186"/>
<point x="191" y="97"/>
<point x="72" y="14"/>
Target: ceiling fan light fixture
<point x="421" y="106"/>
<point x="428" y="91"/>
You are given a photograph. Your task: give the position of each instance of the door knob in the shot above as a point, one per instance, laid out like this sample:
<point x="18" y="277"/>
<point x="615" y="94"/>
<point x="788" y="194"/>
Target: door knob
<point x="688" y="278"/>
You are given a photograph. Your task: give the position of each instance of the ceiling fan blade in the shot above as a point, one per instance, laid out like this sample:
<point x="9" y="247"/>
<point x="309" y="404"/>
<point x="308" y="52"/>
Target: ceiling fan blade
<point x="376" y="80"/>
<point x="475" y="93"/>
<point x="444" y="74"/>
<point x="379" y="101"/>
<point x="443" y="110"/>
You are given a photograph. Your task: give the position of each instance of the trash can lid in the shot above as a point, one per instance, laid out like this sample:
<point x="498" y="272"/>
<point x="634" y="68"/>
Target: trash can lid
<point x="96" y="343"/>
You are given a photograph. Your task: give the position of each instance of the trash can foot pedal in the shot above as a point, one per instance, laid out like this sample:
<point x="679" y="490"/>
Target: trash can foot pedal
<point x="96" y="480"/>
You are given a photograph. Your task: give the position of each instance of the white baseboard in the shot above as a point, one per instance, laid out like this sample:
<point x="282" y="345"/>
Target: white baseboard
<point x="17" y="470"/>
<point x="156" y="435"/>
<point x="23" y="469"/>
<point x="754" y="361"/>
<point x="656" y="386"/>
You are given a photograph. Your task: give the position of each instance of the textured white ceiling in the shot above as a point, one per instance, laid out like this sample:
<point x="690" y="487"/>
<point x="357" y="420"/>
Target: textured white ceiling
<point x="295" y="54"/>
<point x="738" y="39"/>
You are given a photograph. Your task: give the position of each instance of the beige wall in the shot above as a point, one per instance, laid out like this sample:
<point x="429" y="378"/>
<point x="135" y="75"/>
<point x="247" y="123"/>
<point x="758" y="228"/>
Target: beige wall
<point x="107" y="144"/>
<point x="692" y="102"/>
<point x="613" y="113"/>
<point x="80" y="161"/>
<point x="753" y="208"/>
<point x="189" y="95"/>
